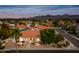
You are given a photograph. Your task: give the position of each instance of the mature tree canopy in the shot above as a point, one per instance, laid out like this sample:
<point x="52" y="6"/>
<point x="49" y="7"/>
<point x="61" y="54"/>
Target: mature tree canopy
<point x="48" y="36"/>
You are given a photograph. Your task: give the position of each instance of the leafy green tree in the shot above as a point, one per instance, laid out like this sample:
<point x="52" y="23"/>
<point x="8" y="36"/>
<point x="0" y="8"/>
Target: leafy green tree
<point x="47" y="36"/>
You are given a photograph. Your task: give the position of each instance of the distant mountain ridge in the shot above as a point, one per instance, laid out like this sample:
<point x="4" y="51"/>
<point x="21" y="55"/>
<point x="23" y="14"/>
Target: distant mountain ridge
<point x="65" y="16"/>
<point x="45" y="17"/>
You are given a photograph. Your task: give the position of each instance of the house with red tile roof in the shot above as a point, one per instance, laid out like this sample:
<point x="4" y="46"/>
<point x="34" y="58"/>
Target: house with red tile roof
<point x="40" y="27"/>
<point x="31" y="36"/>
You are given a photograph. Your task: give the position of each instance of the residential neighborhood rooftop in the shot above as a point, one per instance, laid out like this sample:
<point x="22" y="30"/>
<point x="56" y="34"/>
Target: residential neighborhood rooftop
<point x="30" y="33"/>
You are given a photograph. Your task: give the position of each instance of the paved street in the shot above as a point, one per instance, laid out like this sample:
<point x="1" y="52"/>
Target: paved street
<point x="70" y="38"/>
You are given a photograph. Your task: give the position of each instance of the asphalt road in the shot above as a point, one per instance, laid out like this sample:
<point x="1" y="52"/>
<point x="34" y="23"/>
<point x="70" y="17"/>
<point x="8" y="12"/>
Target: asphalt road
<point x="70" y="38"/>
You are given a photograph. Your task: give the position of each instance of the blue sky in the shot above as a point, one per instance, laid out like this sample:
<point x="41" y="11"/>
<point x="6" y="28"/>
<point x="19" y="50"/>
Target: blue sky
<point x="34" y="10"/>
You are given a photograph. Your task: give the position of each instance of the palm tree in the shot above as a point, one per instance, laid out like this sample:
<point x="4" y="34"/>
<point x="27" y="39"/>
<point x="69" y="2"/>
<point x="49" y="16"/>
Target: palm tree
<point x="16" y="34"/>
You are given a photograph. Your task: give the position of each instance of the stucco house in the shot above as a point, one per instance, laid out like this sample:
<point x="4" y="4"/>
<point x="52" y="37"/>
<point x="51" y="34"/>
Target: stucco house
<point x="30" y="36"/>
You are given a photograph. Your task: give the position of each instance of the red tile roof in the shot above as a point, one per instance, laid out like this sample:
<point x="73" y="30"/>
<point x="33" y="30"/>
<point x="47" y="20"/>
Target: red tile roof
<point x="41" y="27"/>
<point x="30" y="33"/>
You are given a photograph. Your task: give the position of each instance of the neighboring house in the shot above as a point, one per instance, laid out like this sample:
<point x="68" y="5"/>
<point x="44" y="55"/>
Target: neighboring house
<point x="12" y="26"/>
<point x="40" y="27"/>
<point x="31" y="36"/>
<point x="21" y="26"/>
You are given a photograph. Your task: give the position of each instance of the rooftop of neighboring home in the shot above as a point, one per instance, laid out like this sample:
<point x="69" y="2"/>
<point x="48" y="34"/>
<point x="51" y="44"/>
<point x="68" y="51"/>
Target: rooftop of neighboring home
<point x="20" y="26"/>
<point x="11" y="24"/>
<point x="40" y="27"/>
<point x="30" y="33"/>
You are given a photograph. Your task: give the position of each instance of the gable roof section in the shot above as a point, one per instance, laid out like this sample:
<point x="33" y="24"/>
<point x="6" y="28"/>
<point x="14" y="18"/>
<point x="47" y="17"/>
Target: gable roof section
<point x="30" y="33"/>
